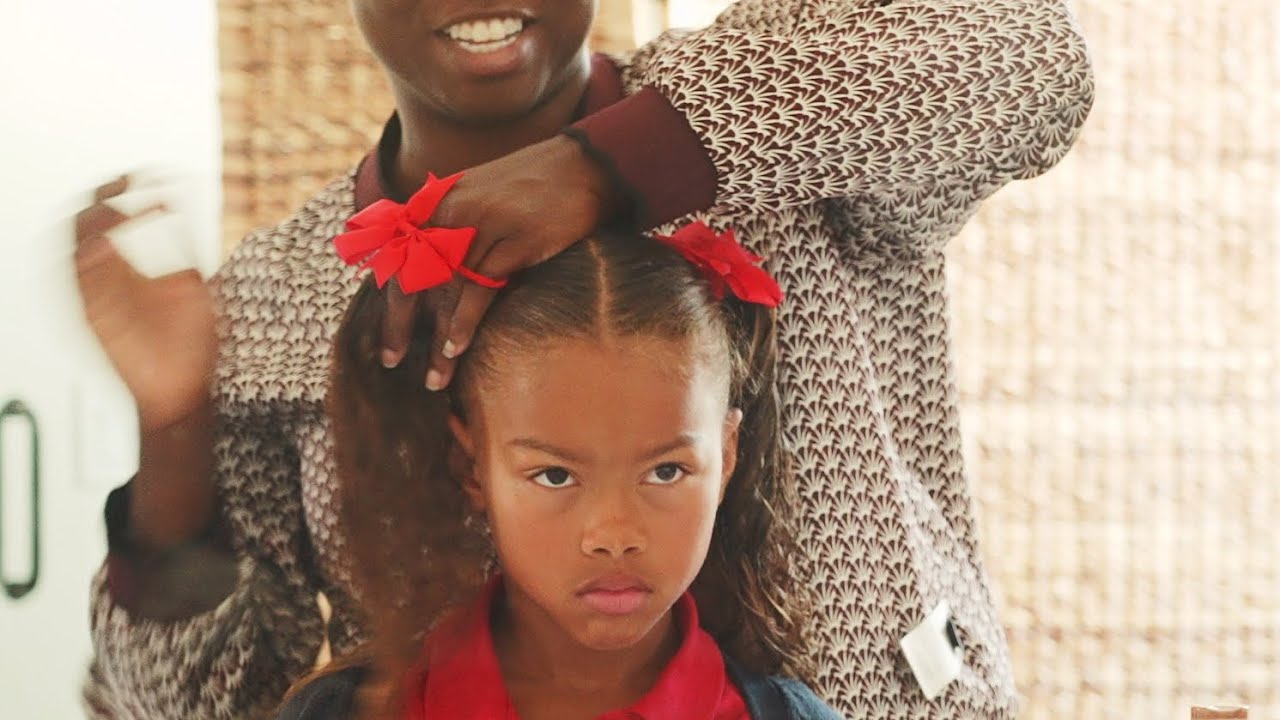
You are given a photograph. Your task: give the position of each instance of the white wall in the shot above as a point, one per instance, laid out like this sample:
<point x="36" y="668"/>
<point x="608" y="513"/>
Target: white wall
<point x="693" y="13"/>
<point x="87" y="90"/>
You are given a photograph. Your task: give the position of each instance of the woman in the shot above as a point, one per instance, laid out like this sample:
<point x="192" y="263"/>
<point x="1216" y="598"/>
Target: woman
<point x="845" y="141"/>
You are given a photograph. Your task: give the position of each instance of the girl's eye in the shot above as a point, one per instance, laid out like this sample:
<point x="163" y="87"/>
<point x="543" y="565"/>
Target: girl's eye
<point x="554" y="478"/>
<point x="667" y="474"/>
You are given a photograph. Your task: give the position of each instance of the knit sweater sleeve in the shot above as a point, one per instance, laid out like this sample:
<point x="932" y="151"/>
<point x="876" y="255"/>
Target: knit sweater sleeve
<point x="231" y="648"/>
<point x="897" y="105"/>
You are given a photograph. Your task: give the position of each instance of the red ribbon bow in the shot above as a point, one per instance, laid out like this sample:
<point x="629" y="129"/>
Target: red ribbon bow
<point x="388" y="237"/>
<point x="725" y="263"/>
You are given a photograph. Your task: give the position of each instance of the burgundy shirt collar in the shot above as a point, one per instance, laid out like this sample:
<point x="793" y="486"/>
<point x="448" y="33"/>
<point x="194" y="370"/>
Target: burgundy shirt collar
<point x="372" y="184"/>
<point x="464" y="681"/>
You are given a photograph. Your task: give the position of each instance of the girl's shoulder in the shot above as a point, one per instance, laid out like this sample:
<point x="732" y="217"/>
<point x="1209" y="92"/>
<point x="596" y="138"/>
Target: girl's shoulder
<point x="768" y="697"/>
<point x="329" y="697"/>
<point x="801" y="703"/>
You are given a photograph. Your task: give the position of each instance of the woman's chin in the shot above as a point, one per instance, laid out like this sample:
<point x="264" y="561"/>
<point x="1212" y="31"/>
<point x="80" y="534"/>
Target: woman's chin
<point x="496" y="104"/>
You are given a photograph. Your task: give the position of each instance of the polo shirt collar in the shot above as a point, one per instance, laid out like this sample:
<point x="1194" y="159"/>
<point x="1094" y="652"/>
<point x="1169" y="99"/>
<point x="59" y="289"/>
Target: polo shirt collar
<point x="464" y="679"/>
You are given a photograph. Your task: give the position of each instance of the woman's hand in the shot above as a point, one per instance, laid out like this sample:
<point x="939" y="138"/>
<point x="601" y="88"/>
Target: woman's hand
<point x="526" y="207"/>
<point x="158" y="333"/>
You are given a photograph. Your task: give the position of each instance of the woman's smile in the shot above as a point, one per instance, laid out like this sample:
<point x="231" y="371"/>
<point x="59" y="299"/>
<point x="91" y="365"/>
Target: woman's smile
<point x="490" y="44"/>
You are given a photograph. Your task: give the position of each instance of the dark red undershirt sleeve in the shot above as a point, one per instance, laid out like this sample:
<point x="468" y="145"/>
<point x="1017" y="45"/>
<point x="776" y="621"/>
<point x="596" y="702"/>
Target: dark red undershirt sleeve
<point x="649" y="147"/>
<point x="172" y="584"/>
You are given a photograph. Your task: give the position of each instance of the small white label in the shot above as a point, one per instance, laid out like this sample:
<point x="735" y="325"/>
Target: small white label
<point x="931" y="654"/>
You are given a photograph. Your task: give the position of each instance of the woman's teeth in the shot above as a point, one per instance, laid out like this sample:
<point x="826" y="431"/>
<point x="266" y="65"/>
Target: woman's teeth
<point x="485" y="35"/>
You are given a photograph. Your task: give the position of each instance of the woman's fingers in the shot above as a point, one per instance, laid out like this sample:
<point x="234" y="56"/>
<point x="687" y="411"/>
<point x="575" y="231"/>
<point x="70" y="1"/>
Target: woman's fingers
<point x="500" y="259"/>
<point x="397" y="325"/>
<point x="98" y="220"/>
<point x="98" y="263"/>
<point x="109" y="286"/>
<point x="106" y="191"/>
<point x="455" y="335"/>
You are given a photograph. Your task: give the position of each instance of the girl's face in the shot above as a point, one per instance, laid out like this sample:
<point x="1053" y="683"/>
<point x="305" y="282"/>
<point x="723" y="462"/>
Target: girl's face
<point x="600" y="467"/>
<point x="478" y="60"/>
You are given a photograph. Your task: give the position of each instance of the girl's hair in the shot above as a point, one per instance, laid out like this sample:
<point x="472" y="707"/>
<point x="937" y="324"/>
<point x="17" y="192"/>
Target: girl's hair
<point x="416" y="549"/>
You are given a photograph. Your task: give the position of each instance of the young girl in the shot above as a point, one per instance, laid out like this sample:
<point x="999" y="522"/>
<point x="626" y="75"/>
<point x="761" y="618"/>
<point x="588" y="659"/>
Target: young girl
<point x="613" y="437"/>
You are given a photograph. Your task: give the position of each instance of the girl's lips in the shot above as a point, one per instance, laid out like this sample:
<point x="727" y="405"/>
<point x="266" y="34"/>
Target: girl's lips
<point x="615" y="594"/>
<point x="615" y="602"/>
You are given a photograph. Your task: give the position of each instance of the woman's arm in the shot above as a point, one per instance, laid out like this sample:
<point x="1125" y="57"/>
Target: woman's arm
<point x="214" y="655"/>
<point x="219" y="626"/>
<point x="885" y="102"/>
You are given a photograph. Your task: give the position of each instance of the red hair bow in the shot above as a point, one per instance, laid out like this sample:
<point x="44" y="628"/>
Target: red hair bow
<point x="725" y="264"/>
<point x="388" y="237"/>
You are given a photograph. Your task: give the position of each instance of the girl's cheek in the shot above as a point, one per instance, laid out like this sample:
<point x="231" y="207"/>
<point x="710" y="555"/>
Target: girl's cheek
<point x="690" y="498"/>
<point x="686" y="512"/>
<point x="523" y="498"/>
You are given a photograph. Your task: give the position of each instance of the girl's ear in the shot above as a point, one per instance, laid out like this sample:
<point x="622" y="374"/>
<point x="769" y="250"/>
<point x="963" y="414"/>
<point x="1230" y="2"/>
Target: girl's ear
<point x="464" y="462"/>
<point x="732" y="422"/>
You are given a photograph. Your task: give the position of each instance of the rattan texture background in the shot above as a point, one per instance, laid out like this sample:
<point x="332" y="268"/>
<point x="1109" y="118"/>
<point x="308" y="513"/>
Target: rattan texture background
<point x="1118" y="349"/>
<point x="1116" y="336"/>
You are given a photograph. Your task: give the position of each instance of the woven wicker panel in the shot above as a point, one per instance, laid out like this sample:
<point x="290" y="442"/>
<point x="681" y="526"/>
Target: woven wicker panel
<point x="1116" y="338"/>
<point x="1118" y="349"/>
<point x="303" y="99"/>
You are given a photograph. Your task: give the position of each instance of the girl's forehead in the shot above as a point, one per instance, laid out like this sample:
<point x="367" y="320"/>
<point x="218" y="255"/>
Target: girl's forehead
<point x="610" y="381"/>
<point x="611" y="360"/>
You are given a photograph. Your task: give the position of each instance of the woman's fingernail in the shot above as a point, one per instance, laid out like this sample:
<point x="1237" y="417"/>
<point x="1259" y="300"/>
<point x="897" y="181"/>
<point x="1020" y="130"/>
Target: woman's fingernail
<point x="449" y="350"/>
<point x="434" y="380"/>
<point x="389" y="359"/>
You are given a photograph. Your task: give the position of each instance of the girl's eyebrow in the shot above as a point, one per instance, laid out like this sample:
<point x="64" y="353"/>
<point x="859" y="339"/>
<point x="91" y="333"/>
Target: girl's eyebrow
<point x="682" y="441"/>
<point x="538" y="445"/>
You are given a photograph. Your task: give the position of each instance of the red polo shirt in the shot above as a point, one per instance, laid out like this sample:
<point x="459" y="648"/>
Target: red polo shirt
<point x="463" y="680"/>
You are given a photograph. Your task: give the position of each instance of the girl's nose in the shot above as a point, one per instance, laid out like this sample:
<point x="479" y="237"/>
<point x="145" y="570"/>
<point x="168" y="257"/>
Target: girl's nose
<point x="614" y="527"/>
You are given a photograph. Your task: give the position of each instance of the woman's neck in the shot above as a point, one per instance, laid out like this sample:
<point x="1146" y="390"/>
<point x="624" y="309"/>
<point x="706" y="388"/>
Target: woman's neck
<point x="534" y="652"/>
<point x="434" y="142"/>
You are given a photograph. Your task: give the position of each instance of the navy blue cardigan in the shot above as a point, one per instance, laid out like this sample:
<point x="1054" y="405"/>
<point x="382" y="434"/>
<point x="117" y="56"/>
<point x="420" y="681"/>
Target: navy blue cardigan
<point x="768" y="698"/>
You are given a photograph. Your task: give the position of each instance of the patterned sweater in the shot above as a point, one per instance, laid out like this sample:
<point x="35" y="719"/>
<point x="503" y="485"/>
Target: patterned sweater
<point x="846" y="141"/>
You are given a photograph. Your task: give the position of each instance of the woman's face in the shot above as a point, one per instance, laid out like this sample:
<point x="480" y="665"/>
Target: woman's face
<point x="477" y="61"/>
<point x="600" y="467"/>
